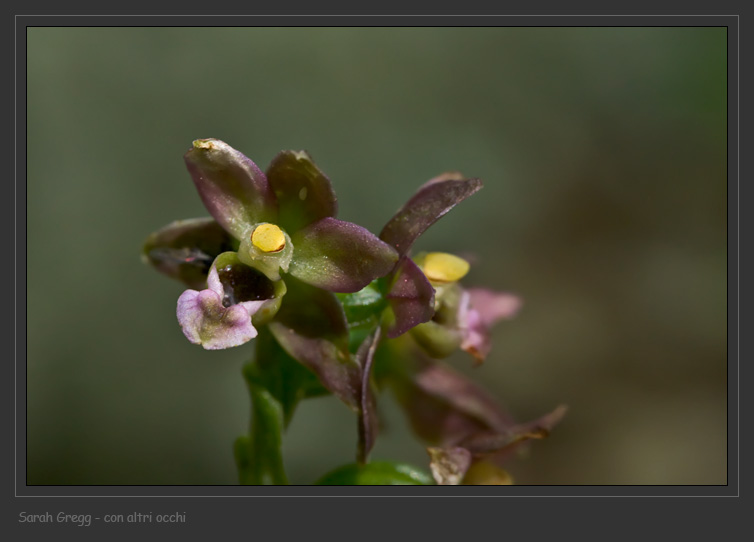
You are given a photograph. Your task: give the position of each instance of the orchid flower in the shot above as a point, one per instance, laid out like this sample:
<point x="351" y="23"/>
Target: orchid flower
<point x="281" y="222"/>
<point x="463" y="318"/>
<point x="468" y="432"/>
<point x="411" y="295"/>
<point x="335" y="309"/>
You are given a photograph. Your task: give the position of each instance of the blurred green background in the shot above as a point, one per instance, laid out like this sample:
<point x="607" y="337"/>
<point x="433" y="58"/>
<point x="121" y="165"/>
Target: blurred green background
<point x="603" y="156"/>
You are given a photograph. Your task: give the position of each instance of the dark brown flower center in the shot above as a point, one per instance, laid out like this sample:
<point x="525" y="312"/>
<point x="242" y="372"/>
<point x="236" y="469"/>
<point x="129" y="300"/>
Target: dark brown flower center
<point x="243" y="283"/>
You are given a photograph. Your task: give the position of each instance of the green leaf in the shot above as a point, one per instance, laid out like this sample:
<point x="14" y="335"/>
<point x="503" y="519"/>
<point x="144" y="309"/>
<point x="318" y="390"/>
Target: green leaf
<point x="363" y="310"/>
<point x="379" y="473"/>
<point x="363" y="306"/>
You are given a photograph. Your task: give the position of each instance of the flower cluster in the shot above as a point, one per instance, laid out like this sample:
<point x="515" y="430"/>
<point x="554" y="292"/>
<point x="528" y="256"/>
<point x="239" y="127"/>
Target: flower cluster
<point x="337" y="309"/>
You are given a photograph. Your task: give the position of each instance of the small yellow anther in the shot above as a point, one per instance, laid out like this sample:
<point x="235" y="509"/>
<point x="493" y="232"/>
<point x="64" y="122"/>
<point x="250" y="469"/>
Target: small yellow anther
<point x="443" y="267"/>
<point x="204" y="144"/>
<point x="268" y="238"/>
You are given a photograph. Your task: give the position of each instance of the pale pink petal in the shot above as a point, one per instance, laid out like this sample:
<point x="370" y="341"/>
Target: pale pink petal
<point x="205" y="321"/>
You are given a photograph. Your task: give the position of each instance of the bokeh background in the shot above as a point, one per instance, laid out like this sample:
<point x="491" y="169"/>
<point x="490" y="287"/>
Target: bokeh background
<point x="603" y="155"/>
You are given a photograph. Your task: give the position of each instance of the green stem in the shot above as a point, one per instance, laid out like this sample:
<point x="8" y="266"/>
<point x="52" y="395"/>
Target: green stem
<point x="259" y="454"/>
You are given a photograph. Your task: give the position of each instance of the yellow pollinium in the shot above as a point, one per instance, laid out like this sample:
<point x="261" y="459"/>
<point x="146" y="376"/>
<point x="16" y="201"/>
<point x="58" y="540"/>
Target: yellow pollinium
<point x="268" y="238"/>
<point x="443" y="267"/>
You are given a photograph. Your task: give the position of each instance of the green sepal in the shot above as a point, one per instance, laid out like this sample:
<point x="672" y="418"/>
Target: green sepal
<point x="303" y="192"/>
<point x="339" y="256"/>
<point x="312" y="328"/>
<point x="184" y="249"/>
<point x="233" y="189"/>
<point x="377" y="473"/>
